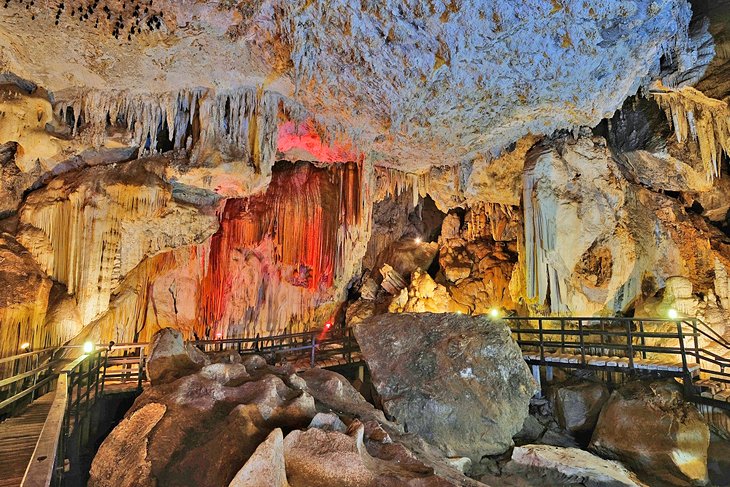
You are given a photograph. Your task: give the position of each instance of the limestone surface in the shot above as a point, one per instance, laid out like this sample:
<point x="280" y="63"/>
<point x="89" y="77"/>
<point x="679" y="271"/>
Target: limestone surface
<point x="458" y="381"/>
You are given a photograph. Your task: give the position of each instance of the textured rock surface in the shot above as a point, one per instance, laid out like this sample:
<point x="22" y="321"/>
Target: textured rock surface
<point x="569" y="466"/>
<point x="223" y="424"/>
<point x="133" y="467"/>
<point x="266" y="467"/>
<point x="458" y="381"/>
<point x="169" y="358"/>
<point x="416" y="73"/>
<point x="24" y="295"/>
<point x="649" y="427"/>
<point x="577" y="405"/>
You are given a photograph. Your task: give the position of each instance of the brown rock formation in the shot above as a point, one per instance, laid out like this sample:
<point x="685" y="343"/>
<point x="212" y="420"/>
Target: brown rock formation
<point x="650" y="428"/>
<point x="433" y="371"/>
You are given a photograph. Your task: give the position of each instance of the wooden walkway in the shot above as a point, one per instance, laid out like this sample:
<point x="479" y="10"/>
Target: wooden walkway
<point x="18" y="438"/>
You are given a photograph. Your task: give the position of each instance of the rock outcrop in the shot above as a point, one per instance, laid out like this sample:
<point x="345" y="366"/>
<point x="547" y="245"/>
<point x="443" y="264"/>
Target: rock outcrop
<point x="223" y="425"/>
<point x="266" y="467"/>
<point x="578" y="404"/>
<point x="650" y="428"/>
<point x="169" y="357"/>
<point x="435" y="371"/>
<point x="552" y="465"/>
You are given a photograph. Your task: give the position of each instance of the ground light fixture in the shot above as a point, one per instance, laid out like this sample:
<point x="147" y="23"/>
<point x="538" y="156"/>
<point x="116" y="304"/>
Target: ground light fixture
<point x="418" y="240"/>
<point x="25" y="346"/>
<point x="494" y="313"/>
<point x="672" y="314"/>
<point x="88" y="347"/>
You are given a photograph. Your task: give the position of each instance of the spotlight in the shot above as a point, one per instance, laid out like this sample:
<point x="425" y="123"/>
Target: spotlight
<point x="327" y="325"/>
<point x="88" y="347"/>
<point x="418" y="240"/>
<point x="494" y="313"/>
<point x="219" y="336"/>
<point x="672" y="314"/>
<point x="459" y="312"/>
<point x="25" y="346"/>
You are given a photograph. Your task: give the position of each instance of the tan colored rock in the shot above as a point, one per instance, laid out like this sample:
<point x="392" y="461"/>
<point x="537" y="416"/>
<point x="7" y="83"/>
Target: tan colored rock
<point x="651" y="429"/>
<point x="266" y="467"/>
<point x="424" y="295"/>
<point x="24" y="296"/>
<point x="134" y="467"/>
<point x="317" y="458"/>
<point x="569" y="466"/>
<point x="168" y="358"/>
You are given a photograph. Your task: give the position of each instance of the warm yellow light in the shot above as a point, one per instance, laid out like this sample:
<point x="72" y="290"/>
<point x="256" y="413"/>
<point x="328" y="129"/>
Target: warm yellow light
<point x="25" y="346"/>
<point x="494" y="313"/>
<point x="418" y="240"/>
<point x="458" y="312"/>
<point x="88" y="347"/>
<point x="672" y="314"/>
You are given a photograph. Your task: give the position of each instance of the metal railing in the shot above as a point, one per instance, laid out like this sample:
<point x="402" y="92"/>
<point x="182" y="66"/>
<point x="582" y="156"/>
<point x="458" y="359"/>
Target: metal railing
<point x="85" y="379"/>
<point x="25" y="376"/>
<point x="76" y="390"/>
<point x="634" y="339"/>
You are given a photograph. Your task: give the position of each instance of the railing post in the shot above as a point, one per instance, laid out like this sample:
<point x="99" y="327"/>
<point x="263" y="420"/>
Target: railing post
<point x="695" y="336"/>
<point x="582" y="342"/>
<point x="140" y="369"/>
<point x="630" y="344"/>
<point x="541" y="342"/>
<point x="643" y="339"/>
<point x="314" y="344"/>
<point x="562" y="335"/>
<point x="687" y="376"/>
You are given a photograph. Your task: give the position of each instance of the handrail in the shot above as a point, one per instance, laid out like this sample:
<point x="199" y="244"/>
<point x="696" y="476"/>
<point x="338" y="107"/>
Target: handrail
<point x="39" y="472"/>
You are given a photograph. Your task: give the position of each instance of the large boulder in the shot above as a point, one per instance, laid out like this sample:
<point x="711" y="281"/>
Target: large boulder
<point x="458" y="381"/>
<point x="134" y="468"/>
<point x="649" y="427"/>
<point x="169" y="357"/>
<point x="578" y="404"/>
<point x="554" y="465"/>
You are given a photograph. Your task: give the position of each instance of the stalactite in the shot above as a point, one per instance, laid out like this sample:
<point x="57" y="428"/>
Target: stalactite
<point x="542" y="281"/>
<point x="243" y="122"/>
<point x="703" y="120"/>
<point x="488" y="220"/>
<point x="395" y="182"/>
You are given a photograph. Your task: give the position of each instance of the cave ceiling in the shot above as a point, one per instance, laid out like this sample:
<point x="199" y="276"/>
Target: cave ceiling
<point x="411" y="84"/>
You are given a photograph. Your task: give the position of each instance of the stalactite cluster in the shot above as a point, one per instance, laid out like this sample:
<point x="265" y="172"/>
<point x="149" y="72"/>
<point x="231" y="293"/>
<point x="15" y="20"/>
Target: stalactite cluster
<point x="242" y="122"/>
<point x="488" y="220"/>
<point x="699" y="119"/>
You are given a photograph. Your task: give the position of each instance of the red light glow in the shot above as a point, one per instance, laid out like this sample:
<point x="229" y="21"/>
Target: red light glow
<point x="328" y="325"/>
<point x="303" y="137"/>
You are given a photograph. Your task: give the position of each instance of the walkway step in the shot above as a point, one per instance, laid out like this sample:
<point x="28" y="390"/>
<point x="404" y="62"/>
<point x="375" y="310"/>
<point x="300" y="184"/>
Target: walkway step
<point x="18" y="438"/>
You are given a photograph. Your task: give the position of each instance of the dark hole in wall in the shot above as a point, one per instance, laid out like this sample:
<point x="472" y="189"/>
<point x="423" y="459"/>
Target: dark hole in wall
<point x="638" y="125"/>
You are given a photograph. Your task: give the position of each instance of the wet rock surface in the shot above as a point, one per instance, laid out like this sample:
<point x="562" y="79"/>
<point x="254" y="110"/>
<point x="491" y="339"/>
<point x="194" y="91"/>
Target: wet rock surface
<point x="578" y="404"/>
<point x="459" y="382"/>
